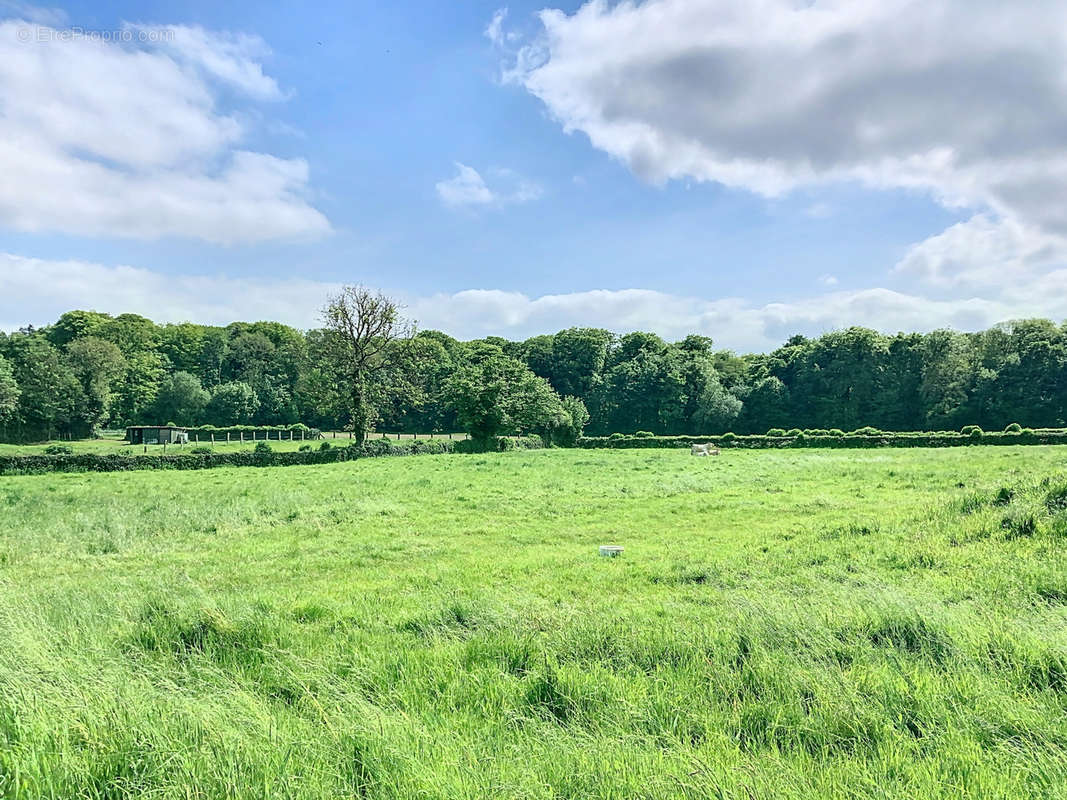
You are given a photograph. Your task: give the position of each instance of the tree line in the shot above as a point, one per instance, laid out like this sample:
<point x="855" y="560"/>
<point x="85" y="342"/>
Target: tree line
<point x="367" y="368"/>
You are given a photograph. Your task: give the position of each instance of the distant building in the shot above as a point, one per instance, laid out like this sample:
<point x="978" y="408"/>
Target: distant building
<point x="156" y="434"/>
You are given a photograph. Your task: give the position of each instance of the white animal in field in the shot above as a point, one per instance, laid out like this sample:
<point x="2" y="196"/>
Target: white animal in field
<point x="704" y="450"/>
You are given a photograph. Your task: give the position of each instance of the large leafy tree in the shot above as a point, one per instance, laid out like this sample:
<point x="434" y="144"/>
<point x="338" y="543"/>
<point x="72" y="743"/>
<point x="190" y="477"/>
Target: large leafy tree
<point x="495" y="394"/>
<point x="643" y="388"/>
<point x="367" y="328"/>
<point x="183" y="345"/>
<point x="74" y="325"/>
<point x="138" y="339"/>
<point x="579" y="356"/>
<point x="947" y="377"/>
<point x="49" y="391"/>
<point x="233" y="403"/>
<point x="181" y="399"/>
<point x="98" y="365"/>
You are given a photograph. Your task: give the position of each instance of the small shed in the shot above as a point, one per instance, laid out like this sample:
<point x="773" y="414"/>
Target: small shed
<point x="156" y="434"/>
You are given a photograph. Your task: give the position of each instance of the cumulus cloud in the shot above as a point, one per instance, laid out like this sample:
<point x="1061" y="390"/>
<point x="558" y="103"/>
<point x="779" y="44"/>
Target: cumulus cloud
<point x="468" y="189"/>
<point x="127" y="139"/>
<point x="733" y="322"/>
<point x="232" y="58"/>
<point x="965" y="100"/>
<point x="983" y="253"/>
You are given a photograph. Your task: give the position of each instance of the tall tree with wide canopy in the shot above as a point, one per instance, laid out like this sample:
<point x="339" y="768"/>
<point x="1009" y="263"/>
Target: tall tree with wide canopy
<point x="495" y="394"/>
<point x="181" y="399"/>
<point x="98" y="365"/>
<point x="367" y="327"/>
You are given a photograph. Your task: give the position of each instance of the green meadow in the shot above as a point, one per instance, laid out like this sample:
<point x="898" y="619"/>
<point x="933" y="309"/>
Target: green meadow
<point x="782" y="624"/>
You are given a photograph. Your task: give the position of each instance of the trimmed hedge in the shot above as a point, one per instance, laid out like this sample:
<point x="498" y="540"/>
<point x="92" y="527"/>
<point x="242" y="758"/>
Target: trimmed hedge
<point x="848" y="440"/>
<point x="500" y="444"/>
<point x="94" y="462"/>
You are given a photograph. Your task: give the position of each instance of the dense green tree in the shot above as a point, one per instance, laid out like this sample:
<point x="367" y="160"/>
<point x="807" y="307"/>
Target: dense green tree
<point x="946" y="379"/>
<point x="233" y="403"/>
<point x="213" y="353"/>
<point x="495" y="394"/>
<point x="181" y="400"/>
<point x="578" y="359"/>
<point x="182" y="345"/>
<point x="716" y="408"/>
<point x="572" y="425"/>
<point x="839" y="378"/>
<point x="643" y="388"/>
<point x="74" y="325"/>
<point x="767" y="405"/>
<point x="49" y="391"/>
<point x="9" y="393"/>
<point x="98" y="365"/>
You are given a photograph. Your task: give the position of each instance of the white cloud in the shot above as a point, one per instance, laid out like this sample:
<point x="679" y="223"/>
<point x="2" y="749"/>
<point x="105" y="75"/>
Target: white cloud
<point x="983" y="253"/>
<point x="468" y="189"/>
<point x="494" y="31"/>
<point x="963" y="99"/>
<point x="732" y="322"/>
<point x="232" y="58"/>
<point x="127" y="139"/>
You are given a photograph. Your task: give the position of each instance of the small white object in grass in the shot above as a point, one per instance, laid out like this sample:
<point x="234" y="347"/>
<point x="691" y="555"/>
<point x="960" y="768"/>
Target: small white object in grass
<point x="610" y="550"/>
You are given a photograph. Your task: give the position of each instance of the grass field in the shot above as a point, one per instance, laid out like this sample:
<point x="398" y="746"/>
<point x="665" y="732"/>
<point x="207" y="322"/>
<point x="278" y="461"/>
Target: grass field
<point x="782" y="624"/>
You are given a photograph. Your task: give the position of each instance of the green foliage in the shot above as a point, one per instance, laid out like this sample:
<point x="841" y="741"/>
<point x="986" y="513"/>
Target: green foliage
<point x="201" y="450"/>
<point x="263" y="447"/>
<point x="305" y="448"/>
<point x="970" y="430"/>
<point x="572" y="426"/>
<point x="776" y="432"/>
<point x="232" y="404"/>
<point x="98" y="365"/>
<point x="61" y="380"/>
<point x="182" y="399"/>
<point x="58" y="450"/>
<point x="794" y="432"/>
<point x="644" y="434"/>
<point x="495" y="394"/>
<point x="9" y="392"/>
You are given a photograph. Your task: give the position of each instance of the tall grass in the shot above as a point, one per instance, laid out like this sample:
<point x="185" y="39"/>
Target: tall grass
<point x="782" y="624"/>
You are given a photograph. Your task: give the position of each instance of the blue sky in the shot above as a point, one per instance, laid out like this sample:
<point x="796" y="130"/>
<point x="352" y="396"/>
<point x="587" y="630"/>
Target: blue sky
<point x="668" y="165"/>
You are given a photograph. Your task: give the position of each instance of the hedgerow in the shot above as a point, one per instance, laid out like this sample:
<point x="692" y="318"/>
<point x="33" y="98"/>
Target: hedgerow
<point x="298" y="431"/>
<point x="500" y="444"/>
<point x="95" y="462"/>
<point x="835" y="439"/>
